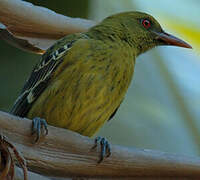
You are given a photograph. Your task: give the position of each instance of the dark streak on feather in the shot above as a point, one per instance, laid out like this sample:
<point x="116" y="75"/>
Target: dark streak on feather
<point x="38" y="80"/>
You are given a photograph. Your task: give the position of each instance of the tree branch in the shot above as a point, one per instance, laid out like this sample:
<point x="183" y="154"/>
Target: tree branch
<point x="36" y="28"/>
<point x="19" y="175"/>
<point x="64" y="153"/>
<point x="25" y="18"/>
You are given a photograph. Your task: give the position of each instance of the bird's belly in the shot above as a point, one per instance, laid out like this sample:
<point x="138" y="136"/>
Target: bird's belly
<point x="81" y="102"/>
<point x="83" y="111"/>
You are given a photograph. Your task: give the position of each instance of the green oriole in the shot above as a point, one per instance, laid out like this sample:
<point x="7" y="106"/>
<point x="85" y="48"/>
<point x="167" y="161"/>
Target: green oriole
<point x="82" y="79"/>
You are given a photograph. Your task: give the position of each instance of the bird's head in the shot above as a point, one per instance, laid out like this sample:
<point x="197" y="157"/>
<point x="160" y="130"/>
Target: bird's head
<point x="142" y="31"/>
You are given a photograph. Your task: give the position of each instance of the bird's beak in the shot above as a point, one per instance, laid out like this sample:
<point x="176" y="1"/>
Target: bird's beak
<point x="171" y="40"/>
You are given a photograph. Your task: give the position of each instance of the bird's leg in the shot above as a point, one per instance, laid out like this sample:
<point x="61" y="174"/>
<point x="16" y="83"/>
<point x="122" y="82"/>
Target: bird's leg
<point x="39" y="124"/>
<point x="105" y="147"/>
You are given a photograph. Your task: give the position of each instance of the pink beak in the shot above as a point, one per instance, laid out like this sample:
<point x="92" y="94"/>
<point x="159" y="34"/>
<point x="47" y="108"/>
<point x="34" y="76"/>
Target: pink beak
<point x="171" y="40"/>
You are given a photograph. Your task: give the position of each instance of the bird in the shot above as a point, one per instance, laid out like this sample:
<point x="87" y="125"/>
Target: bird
<point x="80" y="81"/>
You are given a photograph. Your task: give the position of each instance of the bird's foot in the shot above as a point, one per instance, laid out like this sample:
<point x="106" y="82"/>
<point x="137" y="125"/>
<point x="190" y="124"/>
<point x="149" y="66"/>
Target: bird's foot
<point x="39" y="125"/>
<point x="105" y="147"/>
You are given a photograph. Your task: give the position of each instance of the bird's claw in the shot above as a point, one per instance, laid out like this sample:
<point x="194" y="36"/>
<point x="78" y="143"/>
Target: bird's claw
<point x="105" y="148"/>
<point x="39" y="124"/>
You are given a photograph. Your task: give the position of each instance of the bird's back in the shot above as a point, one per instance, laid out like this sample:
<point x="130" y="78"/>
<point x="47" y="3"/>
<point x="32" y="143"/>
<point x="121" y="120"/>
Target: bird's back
<point x="42" y="73"/>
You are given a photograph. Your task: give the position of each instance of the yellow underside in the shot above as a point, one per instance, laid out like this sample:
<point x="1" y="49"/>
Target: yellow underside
<point x="85" y="89"/>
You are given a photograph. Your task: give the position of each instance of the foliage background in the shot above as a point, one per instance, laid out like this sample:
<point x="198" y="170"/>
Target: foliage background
<point x="161" y="109"/>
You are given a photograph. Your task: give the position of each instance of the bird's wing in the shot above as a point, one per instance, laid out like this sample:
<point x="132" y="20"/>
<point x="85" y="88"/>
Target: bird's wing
<point x="42" y="73"/>
<point x="113" y="114"/>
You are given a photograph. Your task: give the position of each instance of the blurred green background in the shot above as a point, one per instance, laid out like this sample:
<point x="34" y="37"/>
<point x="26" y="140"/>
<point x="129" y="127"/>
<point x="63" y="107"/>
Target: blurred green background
<point x="161" y="108"/>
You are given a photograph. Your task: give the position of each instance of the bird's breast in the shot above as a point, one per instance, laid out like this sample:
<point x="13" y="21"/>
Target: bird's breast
<point x="85" y="93"/>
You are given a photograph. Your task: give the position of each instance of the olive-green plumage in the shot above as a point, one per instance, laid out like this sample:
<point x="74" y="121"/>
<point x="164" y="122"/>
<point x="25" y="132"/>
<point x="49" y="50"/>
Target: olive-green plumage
<point x="81" y="80"/>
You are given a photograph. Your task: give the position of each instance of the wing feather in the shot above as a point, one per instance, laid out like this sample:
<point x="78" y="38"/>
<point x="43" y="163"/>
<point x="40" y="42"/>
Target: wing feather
<point x="42" y="72"/>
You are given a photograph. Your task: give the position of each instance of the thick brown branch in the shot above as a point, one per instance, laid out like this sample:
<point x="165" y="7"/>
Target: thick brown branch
<point x="64" y="153"/>
<point x="34" y="28"/>
<point x="23" y="18"/>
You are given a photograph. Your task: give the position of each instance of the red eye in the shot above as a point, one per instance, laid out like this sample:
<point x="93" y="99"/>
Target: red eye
<point x="146" y="23"/>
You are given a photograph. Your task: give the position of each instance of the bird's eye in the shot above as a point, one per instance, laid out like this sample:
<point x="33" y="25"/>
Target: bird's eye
<point x="146" y="23"/>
